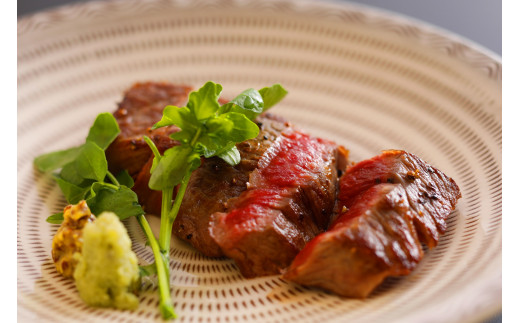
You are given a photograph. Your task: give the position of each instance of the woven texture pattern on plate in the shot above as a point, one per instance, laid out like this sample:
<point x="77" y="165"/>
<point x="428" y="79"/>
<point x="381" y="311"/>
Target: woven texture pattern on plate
<point x="367" y="80"/>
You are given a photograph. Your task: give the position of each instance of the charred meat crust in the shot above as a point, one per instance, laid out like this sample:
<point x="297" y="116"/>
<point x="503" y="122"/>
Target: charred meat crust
<point x="289" y="200"/>
<point x="210" y="186"/>
<point x="380" y="232"/>
<point x="352" y="258"/>
<point x="431" y="193"/>
<point x="140" y="109"/>
<point x="213" y="184"/>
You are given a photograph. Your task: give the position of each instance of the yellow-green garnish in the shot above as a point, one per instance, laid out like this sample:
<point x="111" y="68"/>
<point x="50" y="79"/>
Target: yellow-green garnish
<point x="107" y="273"/>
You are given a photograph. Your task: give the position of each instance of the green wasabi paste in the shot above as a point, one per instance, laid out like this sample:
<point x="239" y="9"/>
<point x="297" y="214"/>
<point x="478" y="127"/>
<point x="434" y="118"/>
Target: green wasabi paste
<point x="107" y="273"/>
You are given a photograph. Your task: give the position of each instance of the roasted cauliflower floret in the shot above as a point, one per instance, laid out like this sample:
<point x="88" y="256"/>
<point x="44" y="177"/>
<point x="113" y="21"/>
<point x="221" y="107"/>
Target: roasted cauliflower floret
<point x="107" y="273"/>
<point x="69" y="237"/>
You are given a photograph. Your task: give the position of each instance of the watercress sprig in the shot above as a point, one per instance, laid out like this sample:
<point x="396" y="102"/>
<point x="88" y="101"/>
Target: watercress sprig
<point x="84" y="175"/>
<point x="207" y="129"/>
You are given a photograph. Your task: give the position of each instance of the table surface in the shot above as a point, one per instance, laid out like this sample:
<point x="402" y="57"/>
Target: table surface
<point x="479" y="21"/>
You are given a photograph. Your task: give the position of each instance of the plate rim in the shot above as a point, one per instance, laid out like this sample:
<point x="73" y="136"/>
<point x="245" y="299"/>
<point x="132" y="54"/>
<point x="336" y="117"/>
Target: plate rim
<point x="450" y="37"/>
<point x="32" y="22"/>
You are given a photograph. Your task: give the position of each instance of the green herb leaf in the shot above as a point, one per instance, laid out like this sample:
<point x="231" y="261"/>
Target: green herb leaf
<point x="223" y="132"/>
<point x="55" y="218"/>
<point x="248" y="103"/>
<point x="231" y="156"/>
<point x="249" y="100"/>
<point x="91" y="162"/>
<point x="272" y="95"/>
<point x="209" y="146"/>
<point x="170" y="169"/>
<point x="104" y="130"/>
<point x="204" y="102"/>
<point x="54" y="160"/>
<point x="180" y="117"/>
<point x="182" y="137"/>
<point x="148" y="270"/>
<point x="72" y="192"/>
<point x="206" y="147"/>
<point x="69" y="174"/>
<point x="241" y="127"/>
<point x="125" y="179"/>
<point x="217" y="134"/>
<point x="207" y="129"/>
<point x="107" y="197"/>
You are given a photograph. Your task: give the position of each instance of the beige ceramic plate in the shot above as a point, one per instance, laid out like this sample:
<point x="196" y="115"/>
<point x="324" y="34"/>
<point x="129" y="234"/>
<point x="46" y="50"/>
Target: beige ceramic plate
<point x="366" y="79"/>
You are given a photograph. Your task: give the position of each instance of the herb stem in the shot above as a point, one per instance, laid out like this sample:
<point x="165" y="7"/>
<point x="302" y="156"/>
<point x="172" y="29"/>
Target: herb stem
<point x="115" y="187"/>
<point x="166" y="231"/>
<point x="166" y="305"/>
<point x="113" y="179"/>
<point x="196" y="137"/>
<point x="172" y="215"/>
<point x="153" y="147"/>
<point x="205" y="114"/>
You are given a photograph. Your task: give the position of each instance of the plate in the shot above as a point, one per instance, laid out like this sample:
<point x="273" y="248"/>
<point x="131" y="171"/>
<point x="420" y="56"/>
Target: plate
<point x="367" y="79"/>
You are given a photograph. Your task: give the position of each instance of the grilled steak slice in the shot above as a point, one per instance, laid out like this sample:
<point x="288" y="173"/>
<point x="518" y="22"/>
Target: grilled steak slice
<point x="380" y="233"/>
<point x="289" y="200"/>
<point x="210" y="186"/>
<point x="373" y="240"/>
<point x="215" y="182"/>
<point x="140" y="109"/>
<point x="432" y="194"/>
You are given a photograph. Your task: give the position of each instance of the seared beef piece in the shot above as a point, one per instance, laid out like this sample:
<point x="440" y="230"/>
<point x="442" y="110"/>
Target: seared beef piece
<point x="381" y="230"/>
<point x="373" y="240"/>
<point x="210" y="186"/>
<point x="149" y="199"/>
<point x="215" y="182"/>
<point x="140" y="109"/>
<point x="432" y="194"/>
<point x="289" y="200"/>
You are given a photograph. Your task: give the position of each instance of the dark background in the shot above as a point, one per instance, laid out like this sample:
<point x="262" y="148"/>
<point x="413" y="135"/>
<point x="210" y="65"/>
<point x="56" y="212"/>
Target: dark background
<point x="480" y="21"/>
